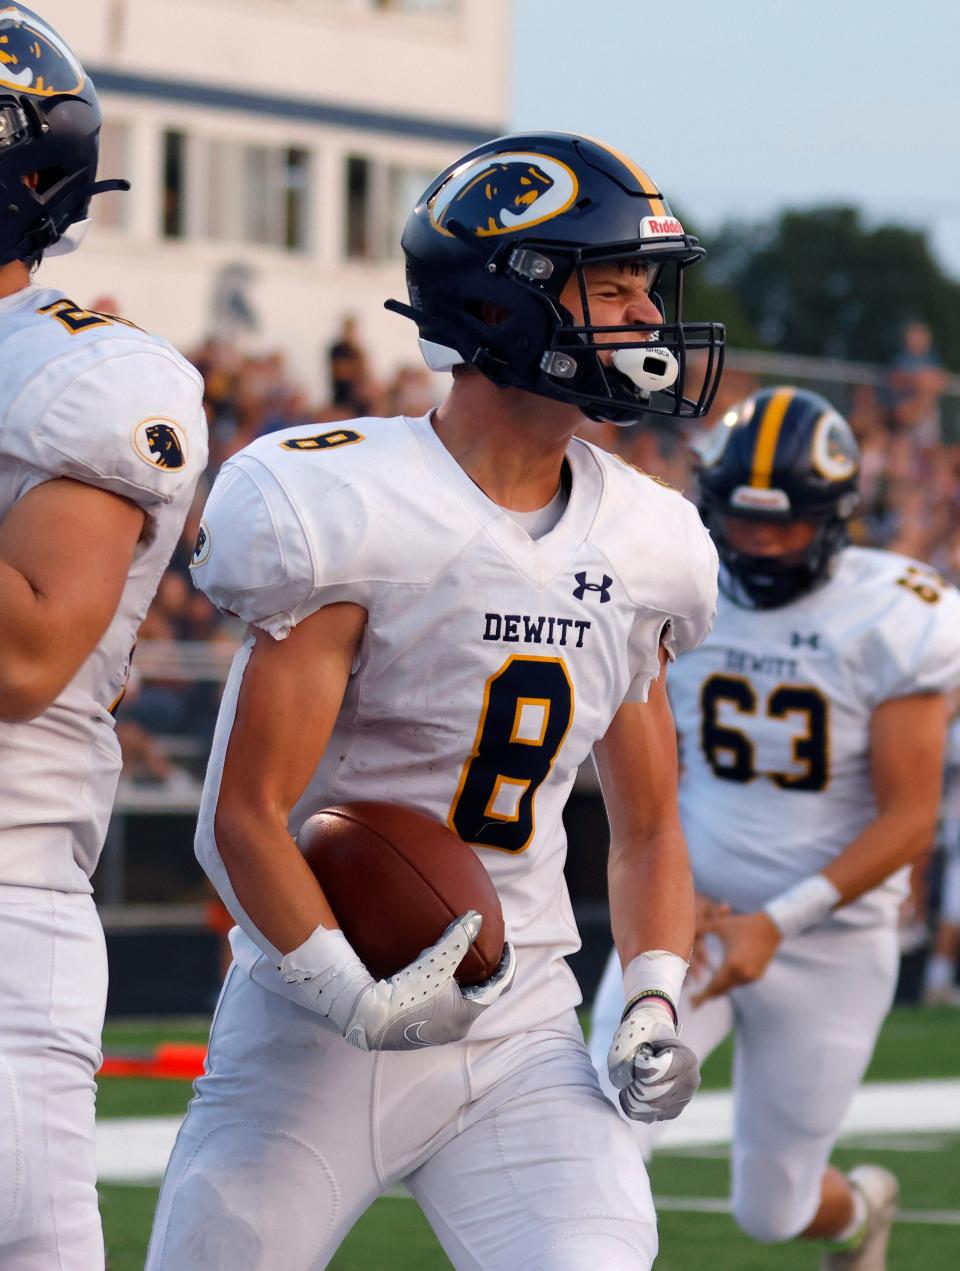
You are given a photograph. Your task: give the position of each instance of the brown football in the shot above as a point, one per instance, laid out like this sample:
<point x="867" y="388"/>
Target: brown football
<point x="395" y="880"/>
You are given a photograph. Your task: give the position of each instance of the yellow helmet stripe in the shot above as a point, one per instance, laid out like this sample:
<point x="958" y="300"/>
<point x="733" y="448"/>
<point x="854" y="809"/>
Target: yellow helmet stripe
<point x="649" y="187"/>
<point x="767" y="436"/>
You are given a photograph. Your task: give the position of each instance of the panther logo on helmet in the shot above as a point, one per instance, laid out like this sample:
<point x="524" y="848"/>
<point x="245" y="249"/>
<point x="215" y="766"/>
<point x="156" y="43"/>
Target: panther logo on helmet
<point x="834" y="451"/>
<point x="500" y="196"/>
<point x="33" y="58"/>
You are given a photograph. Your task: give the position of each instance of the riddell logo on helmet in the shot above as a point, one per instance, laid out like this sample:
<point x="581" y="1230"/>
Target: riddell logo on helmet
<point x="745" y="496"/>
<point x="655" y="226"/>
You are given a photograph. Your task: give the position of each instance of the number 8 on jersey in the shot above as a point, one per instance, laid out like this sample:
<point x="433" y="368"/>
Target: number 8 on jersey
<point x="526" y="715"/>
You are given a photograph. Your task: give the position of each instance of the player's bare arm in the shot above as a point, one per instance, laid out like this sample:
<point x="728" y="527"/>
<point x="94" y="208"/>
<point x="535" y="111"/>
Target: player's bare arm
<point x="651" y="906"/>
<point x="65" y="551"/>
<point x="907" y="739"/>
<point x="637" y="762"/>
<point x="907" y="742"/>
<point x="291" y="694"/>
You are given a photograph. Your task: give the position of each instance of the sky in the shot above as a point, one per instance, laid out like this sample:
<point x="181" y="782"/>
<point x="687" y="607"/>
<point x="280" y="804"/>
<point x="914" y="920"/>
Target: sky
<point x="738" y="108"/>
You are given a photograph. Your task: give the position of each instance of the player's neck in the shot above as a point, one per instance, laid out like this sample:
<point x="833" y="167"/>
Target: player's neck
<point x="510" y="443"/>
<point x="13" y="278"/>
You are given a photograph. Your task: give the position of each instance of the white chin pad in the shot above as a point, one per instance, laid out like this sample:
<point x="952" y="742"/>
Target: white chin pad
<point x="438" y="357"/>
<point x="652" y="368"/>
<point x="69" y="240"/>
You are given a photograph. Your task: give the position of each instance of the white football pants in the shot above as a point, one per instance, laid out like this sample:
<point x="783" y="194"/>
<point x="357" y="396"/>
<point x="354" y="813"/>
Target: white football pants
<point x="804" y="1036"/>
<point x="512" y="1152"/>
<point x="53" y="988"/>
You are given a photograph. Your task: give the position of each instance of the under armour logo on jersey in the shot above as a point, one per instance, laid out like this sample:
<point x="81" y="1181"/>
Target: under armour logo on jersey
<point x="583" y="587"/>
<point x="796" y="640"/>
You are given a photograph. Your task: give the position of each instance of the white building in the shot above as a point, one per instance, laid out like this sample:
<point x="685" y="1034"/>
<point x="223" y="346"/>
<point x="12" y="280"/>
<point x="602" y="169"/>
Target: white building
<point x="275" y="148"/>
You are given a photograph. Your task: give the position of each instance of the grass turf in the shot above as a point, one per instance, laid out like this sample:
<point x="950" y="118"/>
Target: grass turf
<point x="394" y="1236"/>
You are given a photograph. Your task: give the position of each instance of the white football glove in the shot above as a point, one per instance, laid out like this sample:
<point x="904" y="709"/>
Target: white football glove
<point x="421" y="1005"/>
<point x="656" y="1074"/>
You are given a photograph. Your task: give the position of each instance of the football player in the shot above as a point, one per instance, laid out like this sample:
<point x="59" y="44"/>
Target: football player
<point x="449" y="613"/>
<point x="102" y="439"/>
<point x="812" y="724"/>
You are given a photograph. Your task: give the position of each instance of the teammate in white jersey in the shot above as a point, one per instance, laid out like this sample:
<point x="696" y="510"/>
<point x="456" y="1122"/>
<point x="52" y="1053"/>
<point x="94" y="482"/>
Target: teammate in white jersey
<point x="450" y="613"/>
<point x="102" y="438"/>
<point x="812" y="724"/>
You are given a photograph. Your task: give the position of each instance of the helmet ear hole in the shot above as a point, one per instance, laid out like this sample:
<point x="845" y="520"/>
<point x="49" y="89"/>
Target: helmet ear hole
<point x="493" y="315"/>
<point x="47" y="179"/>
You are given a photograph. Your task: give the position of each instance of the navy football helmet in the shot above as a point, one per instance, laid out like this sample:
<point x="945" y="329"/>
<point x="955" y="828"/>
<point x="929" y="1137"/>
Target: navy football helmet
<point x="783" y="454"/>
<point x="505" y="228"/>
<point x="49" y="138"/>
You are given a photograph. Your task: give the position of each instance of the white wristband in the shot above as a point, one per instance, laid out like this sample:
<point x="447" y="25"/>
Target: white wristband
<point x="803" y="905"/>
<point x="656" y="973"/>
<point x="330" y="973"/>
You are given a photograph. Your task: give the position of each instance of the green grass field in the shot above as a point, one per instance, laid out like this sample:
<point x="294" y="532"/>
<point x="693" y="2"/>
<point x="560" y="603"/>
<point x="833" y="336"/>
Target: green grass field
<point x="393" y="1236"/>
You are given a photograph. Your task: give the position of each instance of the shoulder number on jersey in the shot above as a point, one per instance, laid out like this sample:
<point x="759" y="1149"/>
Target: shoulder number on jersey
<point x="75" y="319"/>
<point x="926" y="584"/>
<point x="323" y="440"/>
<point x="526" y="715"/>
<point x="730" y="751"/>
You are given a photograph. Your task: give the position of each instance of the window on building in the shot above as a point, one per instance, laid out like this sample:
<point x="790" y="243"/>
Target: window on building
<point x="378" y="198"/>
<point x="404" y="185"/>
<point x="259" y="194"/>
<point x="174" y="211"/>
<point x="359" y="232"/>
<point x="113" y="209"/>
<point x="295" y="199"/>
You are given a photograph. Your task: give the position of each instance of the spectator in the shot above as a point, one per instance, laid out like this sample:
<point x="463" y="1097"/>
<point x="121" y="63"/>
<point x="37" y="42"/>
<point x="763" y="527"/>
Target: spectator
<point x="347" y="363"/>
<point x="915" y="382"/>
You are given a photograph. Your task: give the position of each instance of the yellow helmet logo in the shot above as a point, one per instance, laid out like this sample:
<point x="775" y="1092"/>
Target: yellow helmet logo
<point x="504" y="193"/>
<point x="33" y="58"/>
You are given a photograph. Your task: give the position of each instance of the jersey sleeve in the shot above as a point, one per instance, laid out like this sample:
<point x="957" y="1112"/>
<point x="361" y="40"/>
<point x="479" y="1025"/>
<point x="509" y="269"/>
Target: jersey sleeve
<point x="916" y="647"/>
<point x="696" y="606"/>
<point x="130" y="422"/>
<point x="264" y="556"/>
<point x="252" y="557"/>
<point x="689" y="617"/>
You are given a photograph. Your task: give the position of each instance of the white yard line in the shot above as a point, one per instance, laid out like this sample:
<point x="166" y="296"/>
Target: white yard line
<point x="712" y="1205"/>
<point x="135" y="1149"/>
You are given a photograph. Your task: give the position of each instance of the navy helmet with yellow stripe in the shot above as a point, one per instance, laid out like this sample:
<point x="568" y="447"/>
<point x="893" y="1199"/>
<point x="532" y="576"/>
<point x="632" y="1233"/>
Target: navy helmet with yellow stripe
<point x="49" y="138"/>
<point x="496" y="236"/>
<point x="782" y="455"/>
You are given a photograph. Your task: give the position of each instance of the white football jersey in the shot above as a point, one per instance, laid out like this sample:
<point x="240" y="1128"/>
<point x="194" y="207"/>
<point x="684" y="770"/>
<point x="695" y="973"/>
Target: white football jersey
<point x="491" y="662"/>
<point x="94" y="399"/>
<point x="774" y="711"/>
